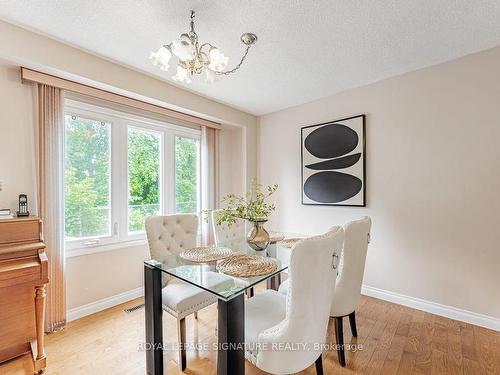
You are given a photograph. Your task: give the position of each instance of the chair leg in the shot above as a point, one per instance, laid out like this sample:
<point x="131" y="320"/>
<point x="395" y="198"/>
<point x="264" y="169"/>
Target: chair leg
<point x="352" y="322"/>
<point x="339" y="334"/>
<point x="250" y="292"/>
<point x="319" y="365"/>
<point x="196" y="314"/>
<point x="181" y="333"/>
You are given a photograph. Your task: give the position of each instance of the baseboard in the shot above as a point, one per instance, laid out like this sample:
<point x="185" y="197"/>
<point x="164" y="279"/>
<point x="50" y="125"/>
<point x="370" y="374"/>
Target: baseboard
<point x="434" y="308"/>
<point x="103" y="304"/>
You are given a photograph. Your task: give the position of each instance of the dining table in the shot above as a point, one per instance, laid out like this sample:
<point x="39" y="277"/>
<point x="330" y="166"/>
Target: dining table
<point x="230" y="292"/>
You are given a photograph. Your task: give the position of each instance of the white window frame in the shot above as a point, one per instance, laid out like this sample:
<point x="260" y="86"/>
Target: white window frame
<point x="198" y="182"/>
<point x="120" y="123"/>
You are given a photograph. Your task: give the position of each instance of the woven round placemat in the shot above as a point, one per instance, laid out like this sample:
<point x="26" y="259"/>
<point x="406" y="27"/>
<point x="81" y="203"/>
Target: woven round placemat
<point x="275" y="237"/>
<point x="247" y="265"/>
<point x="289" y="242"/>
<point x="205" y="254"/>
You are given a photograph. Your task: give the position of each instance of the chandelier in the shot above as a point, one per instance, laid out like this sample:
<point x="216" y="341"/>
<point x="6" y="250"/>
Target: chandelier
<point x="194" y="58"/>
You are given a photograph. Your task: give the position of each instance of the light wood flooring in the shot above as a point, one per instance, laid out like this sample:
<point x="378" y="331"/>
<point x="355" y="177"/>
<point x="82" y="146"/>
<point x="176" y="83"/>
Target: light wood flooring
<point x="394" y="339"/>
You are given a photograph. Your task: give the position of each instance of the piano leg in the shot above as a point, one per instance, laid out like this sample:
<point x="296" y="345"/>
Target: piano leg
<point x="39" y="357"/>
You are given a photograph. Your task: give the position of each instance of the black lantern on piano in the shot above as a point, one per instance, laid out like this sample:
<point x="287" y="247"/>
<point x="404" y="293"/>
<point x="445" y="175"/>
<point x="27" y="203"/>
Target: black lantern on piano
<point x="23" y="205"/>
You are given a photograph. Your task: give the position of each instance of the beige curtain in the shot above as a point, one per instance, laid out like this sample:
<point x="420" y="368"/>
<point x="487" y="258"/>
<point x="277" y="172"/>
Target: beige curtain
<point x="50" y="199"/>
<point x="209" y="179"/>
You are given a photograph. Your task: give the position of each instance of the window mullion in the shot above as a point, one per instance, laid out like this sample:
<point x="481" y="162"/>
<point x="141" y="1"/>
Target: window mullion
<point x="120" y="181"/>
<point x="164" y="173"/>
<point x="169" y="172"/>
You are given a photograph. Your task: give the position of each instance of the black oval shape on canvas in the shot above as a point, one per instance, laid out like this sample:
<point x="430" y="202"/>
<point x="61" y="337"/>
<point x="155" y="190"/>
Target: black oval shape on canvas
<point x="331" y="187"/>
<point x="331" y="141"/>
<point x="338" y="163"/>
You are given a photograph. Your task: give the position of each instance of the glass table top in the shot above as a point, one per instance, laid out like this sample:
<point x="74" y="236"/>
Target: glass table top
<point x="207" y="277"/>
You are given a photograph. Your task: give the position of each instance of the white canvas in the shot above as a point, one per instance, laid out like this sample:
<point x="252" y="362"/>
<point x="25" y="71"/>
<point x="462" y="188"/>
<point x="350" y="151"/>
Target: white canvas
<point x="356" y="124"/>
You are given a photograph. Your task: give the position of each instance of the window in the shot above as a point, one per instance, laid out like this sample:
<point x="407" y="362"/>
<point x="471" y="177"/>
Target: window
<point x="121" y="168"/>
<point x="87" y="178"/>
<point x="187" y="161"/>
<point x="144" y="162"/>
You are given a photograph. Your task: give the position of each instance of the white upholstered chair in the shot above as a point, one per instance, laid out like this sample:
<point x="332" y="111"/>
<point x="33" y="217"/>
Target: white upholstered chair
<point x="233" y="237"/>
<point x="350" y="278"/>
<point x="168" y="235"/>
<point x="300" y="316"/>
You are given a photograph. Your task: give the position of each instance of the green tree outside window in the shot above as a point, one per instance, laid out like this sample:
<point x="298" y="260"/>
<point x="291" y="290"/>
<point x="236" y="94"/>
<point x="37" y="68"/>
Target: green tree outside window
<point x="186" y="175"/>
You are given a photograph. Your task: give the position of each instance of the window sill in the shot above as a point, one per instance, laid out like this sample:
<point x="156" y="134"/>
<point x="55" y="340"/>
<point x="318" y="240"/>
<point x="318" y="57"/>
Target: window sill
<point x="103" y="248"/>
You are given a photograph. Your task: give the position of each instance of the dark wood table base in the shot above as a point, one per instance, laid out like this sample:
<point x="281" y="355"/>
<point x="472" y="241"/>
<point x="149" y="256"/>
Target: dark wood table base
<point x="231" y="336"/>
<point x="231" y="327"/>
<point x="154" y="320"/>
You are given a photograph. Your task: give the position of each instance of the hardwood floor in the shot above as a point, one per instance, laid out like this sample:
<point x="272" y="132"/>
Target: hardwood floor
<point x="393" y="340"/>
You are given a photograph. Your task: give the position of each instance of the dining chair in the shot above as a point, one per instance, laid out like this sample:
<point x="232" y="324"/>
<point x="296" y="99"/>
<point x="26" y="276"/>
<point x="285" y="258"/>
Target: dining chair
<point x="233" y="236"/>
<point x="273" y="319"/>
<point x="349" y="280"/>
<point x="167" y="236"/>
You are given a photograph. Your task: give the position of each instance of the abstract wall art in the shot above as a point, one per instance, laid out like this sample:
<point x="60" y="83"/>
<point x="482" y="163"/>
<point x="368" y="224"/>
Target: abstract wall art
<point x="333" y="163"/>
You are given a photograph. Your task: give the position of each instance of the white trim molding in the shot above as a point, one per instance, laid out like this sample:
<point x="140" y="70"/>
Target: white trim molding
<point x="103" y="248"/>
<point x="433" y="308"/>
<point x="92" y="89"/>
<point x="103" y="304"/>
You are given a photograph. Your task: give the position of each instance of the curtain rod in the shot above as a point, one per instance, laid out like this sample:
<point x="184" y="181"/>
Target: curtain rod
<point x="30" y="75"/>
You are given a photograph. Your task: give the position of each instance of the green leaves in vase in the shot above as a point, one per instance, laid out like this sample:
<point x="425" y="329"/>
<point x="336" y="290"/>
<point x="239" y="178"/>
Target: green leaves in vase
<point x="251" y="207"/>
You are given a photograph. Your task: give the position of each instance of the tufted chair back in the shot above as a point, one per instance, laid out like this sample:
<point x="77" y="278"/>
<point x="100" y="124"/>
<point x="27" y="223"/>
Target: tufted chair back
<point x="352" y="267"/>
<point x="171" y="234"/>
<point x="233" y="237"/>
<point x="309" y="297"/>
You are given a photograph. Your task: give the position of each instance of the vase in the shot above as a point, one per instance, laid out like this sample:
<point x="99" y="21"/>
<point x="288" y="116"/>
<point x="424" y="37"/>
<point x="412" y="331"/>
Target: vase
<point x="258" y="237"/>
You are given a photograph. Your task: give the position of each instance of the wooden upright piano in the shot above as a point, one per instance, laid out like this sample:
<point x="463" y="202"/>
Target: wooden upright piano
<point x="23" y="277"/>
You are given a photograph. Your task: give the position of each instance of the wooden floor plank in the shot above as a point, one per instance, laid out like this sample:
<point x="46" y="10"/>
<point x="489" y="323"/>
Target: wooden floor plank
<point x="485" y="351"/>
<point x="395" y="353"/>
<point x="440" y="337"/>
<point x="377" y="360"/>
<point x="472" y="367"/>
<point x="416" y="324"/>
<point x="368" y="338"/>
<point x="468" y="341"/>
<point x="454" y="348"/>
<point x="407" y="363"/>
<point x="423" y="359"/>
<point x="439" y="364"/>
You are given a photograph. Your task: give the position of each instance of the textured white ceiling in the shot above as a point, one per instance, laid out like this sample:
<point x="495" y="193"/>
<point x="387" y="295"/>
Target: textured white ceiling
<point x="306" y="49"/>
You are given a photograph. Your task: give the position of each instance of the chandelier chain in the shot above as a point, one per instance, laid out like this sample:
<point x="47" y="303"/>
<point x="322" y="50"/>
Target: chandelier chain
<point x="225" y="73"/>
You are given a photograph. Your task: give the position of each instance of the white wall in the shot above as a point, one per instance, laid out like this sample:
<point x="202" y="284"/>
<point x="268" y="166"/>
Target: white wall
<point x="433" y="179"/>
<point x="17" y="149"/>
<point x="231" y="175"/>
<point x="88" y="276"/>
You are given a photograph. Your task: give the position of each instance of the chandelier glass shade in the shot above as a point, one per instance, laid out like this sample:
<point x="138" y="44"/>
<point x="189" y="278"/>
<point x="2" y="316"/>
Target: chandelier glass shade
<point x="195" y="58"/>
